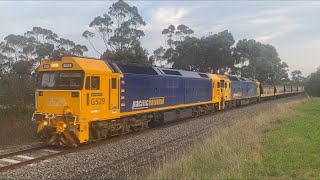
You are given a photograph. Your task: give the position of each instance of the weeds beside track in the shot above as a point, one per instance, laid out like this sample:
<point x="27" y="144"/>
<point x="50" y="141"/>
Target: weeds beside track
<point x="235" y="152"/>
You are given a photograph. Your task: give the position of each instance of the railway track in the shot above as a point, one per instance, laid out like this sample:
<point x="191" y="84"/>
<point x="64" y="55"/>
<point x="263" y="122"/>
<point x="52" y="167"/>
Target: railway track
<point x="31" y="155"/>
<point x="28" y="156"/>
<point x="17" y="159"/>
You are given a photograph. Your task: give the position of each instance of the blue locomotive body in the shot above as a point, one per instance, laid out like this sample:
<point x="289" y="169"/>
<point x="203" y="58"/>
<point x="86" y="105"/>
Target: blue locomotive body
<point x="159" y="87"/>
<point x="242" y="87"/>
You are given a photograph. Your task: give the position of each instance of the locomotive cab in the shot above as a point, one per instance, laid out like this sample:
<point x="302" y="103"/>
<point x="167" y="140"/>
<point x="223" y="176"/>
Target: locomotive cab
<point x="72" y="93"/>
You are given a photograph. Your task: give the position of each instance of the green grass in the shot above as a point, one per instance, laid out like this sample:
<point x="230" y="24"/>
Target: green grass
<point x="292" y="150"/>
<point x="283" y="142"/>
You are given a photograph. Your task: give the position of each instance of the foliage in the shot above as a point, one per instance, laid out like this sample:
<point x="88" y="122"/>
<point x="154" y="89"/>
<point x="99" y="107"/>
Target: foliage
<point x="260" y="61"/>
<point x="120" y="33"/>
<point x="218" y="54"/>
<point x="157" y="57"/>
<point x="312" y="83"/>
<point x="180" y="33"/>
<point x="133" y="55"/>
<point x="20" y="55"/>
<point x="296" y="77"/>
<point x="207" y="54"/>
<point x="173" y="37"/>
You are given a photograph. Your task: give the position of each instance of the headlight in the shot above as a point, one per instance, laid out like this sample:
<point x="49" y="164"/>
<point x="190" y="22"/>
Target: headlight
<point x="54" y="65"/>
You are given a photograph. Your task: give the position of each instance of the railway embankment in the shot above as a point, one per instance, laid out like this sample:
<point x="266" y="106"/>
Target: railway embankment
<point x="16" y="127"/>
<point x="136" y="156"/>
<point x="281" y="142"/>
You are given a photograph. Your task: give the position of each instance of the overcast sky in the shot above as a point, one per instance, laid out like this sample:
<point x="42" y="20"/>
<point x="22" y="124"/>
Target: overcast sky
<point x="292" y="27"/>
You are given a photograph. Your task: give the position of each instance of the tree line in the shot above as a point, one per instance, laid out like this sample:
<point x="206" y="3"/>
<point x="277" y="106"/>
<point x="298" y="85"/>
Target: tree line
<point x="119" y="29"/>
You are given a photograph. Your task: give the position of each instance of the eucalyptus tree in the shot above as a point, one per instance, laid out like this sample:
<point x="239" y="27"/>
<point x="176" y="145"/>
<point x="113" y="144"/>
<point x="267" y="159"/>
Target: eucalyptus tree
<point x="49" y="43"/>
<point x="33" y="46"/>
<point x="297" y="77"/>
<point x="173" y="36"/>
<point x="119" y="30"/>
<point x="157" y="57"/>
<point x="42" y="35"/>
<point x="312" y="83"/>
<point x="103" y="26"/>
<point x="88" y="35"/>
<point x="20" y="55"/>
<point x="168" y="33"/>
<point x="260" y="61"/>
<point x="207" y="54"/>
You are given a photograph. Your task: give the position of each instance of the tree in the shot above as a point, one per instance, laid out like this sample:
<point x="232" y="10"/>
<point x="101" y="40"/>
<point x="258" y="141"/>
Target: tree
<point x="169" y="32"/>
<point x="42" y="35"/>
<point x="135" y="54"/>
<point x="119" y="31"/>
<point x="207" y="54"/>
<point x="19" y="57"/>
<point x="297" y="77"/>
<point x="260" y="61"/>
<point x="312" y="83"/>
<point x="173" y="36"/>
<point x="180" y="33"/>
<point x="103" y="26"/>
<point x="87" y="34"/>
<point x="158" y="57"/>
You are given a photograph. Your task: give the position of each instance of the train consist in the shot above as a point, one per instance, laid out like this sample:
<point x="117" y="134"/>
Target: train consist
<point x="81" y="100"/>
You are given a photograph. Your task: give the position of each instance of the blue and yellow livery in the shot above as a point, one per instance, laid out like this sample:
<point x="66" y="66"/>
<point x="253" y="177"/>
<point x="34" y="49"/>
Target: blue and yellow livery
<point x="81" y="99"/>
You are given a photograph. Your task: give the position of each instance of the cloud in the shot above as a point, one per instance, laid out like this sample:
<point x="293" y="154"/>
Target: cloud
<point x="161" y="18"/>
<point x="289" y="26"/>
<point x="302" y="56"/>
<point x="278" y="31"/>
<point x="265" y="25"/>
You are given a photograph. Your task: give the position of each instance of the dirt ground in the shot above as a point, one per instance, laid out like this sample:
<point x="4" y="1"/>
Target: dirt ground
<point x="16" y="127"/>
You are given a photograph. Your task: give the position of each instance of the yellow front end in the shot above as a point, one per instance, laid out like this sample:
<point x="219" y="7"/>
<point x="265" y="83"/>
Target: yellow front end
<point x="57" y="116"/>
<point x="73" y="92"/>
<point x="221" y="89"/>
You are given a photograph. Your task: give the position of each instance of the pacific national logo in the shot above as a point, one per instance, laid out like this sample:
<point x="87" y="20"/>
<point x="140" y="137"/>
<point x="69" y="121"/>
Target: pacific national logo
<point x="55" y="101"/>
<point x="144" y="104"/>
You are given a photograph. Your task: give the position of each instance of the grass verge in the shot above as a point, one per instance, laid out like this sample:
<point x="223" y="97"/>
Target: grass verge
<point x="293" y="149"/>
<point x="281" y="142"/>
<point x="16" y="126"/>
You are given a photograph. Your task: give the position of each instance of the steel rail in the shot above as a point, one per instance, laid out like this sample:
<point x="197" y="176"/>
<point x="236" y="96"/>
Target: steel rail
<point x="67" y="150"/>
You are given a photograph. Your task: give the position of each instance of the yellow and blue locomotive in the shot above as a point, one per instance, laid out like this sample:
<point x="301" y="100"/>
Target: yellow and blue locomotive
<point x="81" y="99"/>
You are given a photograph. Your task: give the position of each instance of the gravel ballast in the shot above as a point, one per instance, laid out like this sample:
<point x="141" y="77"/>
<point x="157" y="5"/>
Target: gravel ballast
<point x="135" y="156"/>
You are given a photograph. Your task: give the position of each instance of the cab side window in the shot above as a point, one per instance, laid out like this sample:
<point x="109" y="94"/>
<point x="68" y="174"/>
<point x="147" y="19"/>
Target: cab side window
<point x="114" y="83"/>
<point x="93" y="83"/>
<point x="88" y="82"/>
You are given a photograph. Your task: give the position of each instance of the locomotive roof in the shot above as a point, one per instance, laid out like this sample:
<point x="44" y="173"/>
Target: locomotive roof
<point x="235" y="78"/>
<point x="76" y="63"/>
<point x="149" y="70"/>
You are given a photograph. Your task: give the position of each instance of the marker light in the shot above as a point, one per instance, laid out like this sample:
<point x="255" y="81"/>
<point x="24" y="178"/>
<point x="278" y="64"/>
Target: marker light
<point x="46" y="66"/>
<point x="67" y="65"/>
<point x="54" y="65"/>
